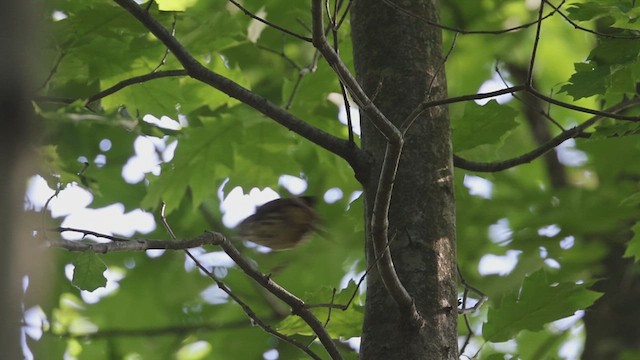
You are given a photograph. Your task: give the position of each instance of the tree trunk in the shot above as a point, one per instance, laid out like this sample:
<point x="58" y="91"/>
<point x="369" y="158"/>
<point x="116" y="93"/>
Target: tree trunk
<point x="14" y="160"/>
<point x="396" y="58"/>
<point x="612" y="322"/>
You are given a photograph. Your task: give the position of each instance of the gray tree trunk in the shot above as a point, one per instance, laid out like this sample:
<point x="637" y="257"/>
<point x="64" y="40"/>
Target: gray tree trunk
<point x="396" y="58"/>
<point x="14" y="126"/>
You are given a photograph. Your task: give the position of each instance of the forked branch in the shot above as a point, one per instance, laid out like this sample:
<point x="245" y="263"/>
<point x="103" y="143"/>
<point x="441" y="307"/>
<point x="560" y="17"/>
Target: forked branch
<point x="199" y="72"/>
<point x="380" y="215"/>
<point x="298" y="306"/>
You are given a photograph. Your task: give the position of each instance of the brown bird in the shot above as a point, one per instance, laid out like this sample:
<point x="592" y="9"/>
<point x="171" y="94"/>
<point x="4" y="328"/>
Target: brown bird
<point x="280" y="224"/>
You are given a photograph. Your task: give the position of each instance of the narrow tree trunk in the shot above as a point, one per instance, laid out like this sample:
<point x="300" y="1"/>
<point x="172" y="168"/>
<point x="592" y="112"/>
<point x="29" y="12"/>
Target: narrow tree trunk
<point x="14" y="125"/>
<point x="396" y="58"/>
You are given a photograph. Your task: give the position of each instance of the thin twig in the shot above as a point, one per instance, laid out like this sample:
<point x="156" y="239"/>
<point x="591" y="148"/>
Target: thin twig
<point x="526" y="103"/>
<point x="54" y="70"/>
<point x="541" y="150"/>
<point x="534" y="51"/>
<point x="517" y="88"/>
<point x="344" y="15"/>
<point x="282" y="55"/>
<point x="333" y="297"/>
<point x="122" y="244"/>
<point x="146" y="332"/>
<point x="196" y="70"/>
<point x="604" y="114"/>
<point x="360" y="281"/>
<point x="45" y="209"/>
<point x="250" y="313"/>
<point x="597" y="33"/>
<point x="406" y="124"/>
<point x="268" y="23"/>
<point x="464" y="311"/>
<point x="297" y="305"/>
<point x="167" y="51"/>
<point x="347" y="109"/>
<point x="135" y="80"/>
<point x="334" y="30"/>
<point x="462" y="31"/>
<point x="467" y="288"/>
<point x="380" y="213"/>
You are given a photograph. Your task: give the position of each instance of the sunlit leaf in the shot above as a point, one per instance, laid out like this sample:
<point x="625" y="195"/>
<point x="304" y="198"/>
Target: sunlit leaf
<point x="88" y="272"/>
<point x="537" y="303"/>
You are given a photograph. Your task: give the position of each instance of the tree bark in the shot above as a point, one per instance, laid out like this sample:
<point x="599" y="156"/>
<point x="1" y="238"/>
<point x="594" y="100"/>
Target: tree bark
<point x="396" y="59"/>
<point x="14" y="128"/>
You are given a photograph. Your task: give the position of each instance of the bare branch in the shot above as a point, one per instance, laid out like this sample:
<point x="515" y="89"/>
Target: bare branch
<point x="54" y="70"/>
<point x="167" y="51"/>
<point x="135" y="80"/>
<point x="334" y="31"/>
<point x="297" y="305"/>
<point x="117" y="87"/>
<point x="527" y="104"/>
<point x="149" y="332"/>
<point x="468" y="288"/>
<point x="222" y="286"/>
<point x="464" y="310"/>
<point x="534" y="51"/>
<point x="462" y="31"/>
<point x="597" y="33"/>
<point x="541" y="150"/>
<point x="513" y="89"/>
<point x="360" y="281"/>
<point x="270" y="24"/>
<point x="122" y="244"/>
<point x="604" y="114"/>
<point x="199" y="72"/>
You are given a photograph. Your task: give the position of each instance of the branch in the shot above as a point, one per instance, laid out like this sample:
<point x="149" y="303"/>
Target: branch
<point x="541" y="150"/>
<point x="222" y="286"/>
<point x="117" y="87"/>
<point x="597" y="33"/>
<point x="149" y="332"/>
<point x="380" y="216"/>
<point x="122" y="244"/>
<point x="467" y="32"/>
<point x="208" y="238"/>
<point x="297" y="305"/>
<point x="534" y="51"/>
<point x="199" y="72"/>
<point x="270" y="24"/>
<point x="563" y="104"/>
<point x="135" y="80"/>
<point x="513" y="89"/>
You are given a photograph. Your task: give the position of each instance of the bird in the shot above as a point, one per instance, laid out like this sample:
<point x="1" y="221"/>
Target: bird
<point x="280" y="224"/>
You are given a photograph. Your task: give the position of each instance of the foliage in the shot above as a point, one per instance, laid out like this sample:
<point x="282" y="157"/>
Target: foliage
<point x="161" y="305"/>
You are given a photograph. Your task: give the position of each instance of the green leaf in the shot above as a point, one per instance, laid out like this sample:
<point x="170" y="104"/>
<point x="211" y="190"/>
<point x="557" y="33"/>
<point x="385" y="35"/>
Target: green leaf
<point x="588" y="80"/>
<point x="204" y="157"/>
<point x="618" y="14"/>
<point x="480" y="125"/>
<point x="88" y="273"/>
<point x="615" y="51"/>
<point x="633" y="246"/>
<point x="175" y="5"/>
<point x="587" y="11"/>
<point x="615" y="129"/>
<point x="537" y="303"/>
<point x="343" y="323"/>
<point x="540" y="344"/>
